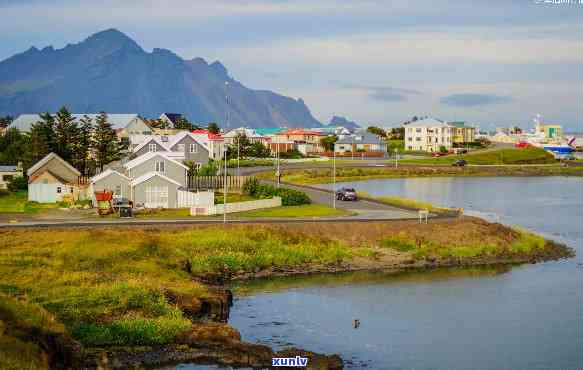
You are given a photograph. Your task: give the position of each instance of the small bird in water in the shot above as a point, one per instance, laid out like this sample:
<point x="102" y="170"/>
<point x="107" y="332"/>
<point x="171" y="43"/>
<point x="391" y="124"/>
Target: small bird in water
<point x="356" y="323"/>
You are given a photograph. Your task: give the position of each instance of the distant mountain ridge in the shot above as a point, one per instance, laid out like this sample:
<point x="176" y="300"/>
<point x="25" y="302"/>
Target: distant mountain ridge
<point x="342" y="121"/>
<point x="110" y="72"/>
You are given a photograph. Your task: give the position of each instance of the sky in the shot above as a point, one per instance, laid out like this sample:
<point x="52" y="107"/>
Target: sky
<point x="491" y="62"/>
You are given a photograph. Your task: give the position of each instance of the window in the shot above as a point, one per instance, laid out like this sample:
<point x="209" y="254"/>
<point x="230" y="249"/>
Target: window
<point x="45" y="181"/>
<point x="198" y="166"/>
<point x="418" y="129"/>
<point x="71" y="190"/>
<point x="410" y="138"/>
<point x="418" y="138"/>
<point x="181" y="148"/>
<point x="7" y="177"/>
<point x="58" y="190"/>
<point x="118" y="190"/>
<point x="193" y="148"/>
<point x="152" y="147"/>
<point x="160" y="166"/>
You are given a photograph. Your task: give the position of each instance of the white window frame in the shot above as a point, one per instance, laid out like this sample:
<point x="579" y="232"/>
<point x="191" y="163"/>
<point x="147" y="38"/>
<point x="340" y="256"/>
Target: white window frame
<point x="193" y="148"/>
<point x="160" y="167"/>
<point x="152" y="148"/>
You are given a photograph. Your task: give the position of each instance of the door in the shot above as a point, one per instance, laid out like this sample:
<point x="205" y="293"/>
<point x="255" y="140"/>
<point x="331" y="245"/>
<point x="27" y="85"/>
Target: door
<point x="156" y="197"/>
<point x="42" y="193"/>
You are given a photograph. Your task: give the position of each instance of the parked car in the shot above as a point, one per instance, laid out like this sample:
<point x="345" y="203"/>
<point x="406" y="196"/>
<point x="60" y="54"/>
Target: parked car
<point x="459" y="163"/>
<point x="438" y="154"/>
<point x="346" y="194"/>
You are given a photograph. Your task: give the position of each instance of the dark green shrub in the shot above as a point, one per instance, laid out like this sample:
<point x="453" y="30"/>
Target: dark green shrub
<point x="18" y="183"/>
<point x="289" y="197"/>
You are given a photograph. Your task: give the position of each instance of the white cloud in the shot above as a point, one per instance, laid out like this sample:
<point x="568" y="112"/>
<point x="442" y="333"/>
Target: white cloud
<point x="420" y="47"/>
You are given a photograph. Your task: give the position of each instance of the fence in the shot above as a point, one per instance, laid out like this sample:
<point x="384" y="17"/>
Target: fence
<point x="376" y="154"/>
<point x="215" y="182"/>
<point x="187" y="199"/>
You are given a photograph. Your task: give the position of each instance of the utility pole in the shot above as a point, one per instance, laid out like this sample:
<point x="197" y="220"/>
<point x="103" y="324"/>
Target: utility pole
<point x="225" y="156"/>
<point x="334" y="177"/>
<point x="277" y="171"/>
<point x="396" y="158"/>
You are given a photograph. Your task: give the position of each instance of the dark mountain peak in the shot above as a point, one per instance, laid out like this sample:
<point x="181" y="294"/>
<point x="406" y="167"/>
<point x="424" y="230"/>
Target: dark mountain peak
<point x="110" y="38"/>
<point x="109" y="71"/>
<point x="47" y="49"/>
<point x="219" y="69"/>
<point x="32" y="49"/>
<point x="342" y="121"/>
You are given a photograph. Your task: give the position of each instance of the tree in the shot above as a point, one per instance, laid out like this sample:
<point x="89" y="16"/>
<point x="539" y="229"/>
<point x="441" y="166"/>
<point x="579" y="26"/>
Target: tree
<point x="66" y="131"/>
<point x="184" y="124"/>
<point x="209" y="169"/>
<point x="377" y="131"/>
<point x="83" y="144"/>
<point x="396" y="133"/>
<point x="6" y="121"/>
<point x="328" y="142"/>
<point x="45" y="129"/>
<point x="106" y="146"/>
<point x="258" y="150"/>
<point x="214" y="128"/>
<point x="14" y="147"/>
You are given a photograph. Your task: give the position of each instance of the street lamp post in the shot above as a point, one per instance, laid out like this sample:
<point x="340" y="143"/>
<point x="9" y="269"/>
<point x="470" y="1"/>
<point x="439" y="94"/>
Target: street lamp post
<point x="396" y="158"/>
<point x="334" y="176"/>
<point x="225" y="155"/>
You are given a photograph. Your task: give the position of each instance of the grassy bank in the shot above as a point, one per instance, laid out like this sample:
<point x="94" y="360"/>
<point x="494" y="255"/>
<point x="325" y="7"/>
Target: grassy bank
<point x="406" y="203"/>
<point x="493" y="157"/>
<point x="134" y="287"/>
<point x="324" y="175"/>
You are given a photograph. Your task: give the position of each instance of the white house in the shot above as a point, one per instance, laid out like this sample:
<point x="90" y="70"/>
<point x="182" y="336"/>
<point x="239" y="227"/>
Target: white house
<point x="429" y="135"/>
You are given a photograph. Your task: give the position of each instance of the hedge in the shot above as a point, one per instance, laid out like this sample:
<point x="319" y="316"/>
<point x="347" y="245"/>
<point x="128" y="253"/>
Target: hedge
<point x="289" y="197"/>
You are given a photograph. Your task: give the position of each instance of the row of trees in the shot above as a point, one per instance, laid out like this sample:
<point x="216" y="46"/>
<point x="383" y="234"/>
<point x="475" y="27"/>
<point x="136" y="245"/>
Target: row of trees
<point x="87" y="144"/>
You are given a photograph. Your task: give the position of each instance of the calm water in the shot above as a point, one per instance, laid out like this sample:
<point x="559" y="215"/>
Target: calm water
<point x="528" y="317"/>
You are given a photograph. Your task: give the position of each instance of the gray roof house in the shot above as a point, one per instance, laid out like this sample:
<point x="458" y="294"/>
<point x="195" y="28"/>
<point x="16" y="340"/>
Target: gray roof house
<point x="183" y="146"/>
<point x="153" y="180"/>
<point x="361" y="141"/>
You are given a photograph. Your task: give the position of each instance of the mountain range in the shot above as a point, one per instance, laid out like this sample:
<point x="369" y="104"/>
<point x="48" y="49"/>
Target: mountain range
<point x="342" y="121"/>
<point x="110" y="72"/>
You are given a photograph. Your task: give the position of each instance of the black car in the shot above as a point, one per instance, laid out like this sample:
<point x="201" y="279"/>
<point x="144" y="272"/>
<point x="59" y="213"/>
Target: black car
<point x="346" y="194"/>
<point x="459" y="163"/>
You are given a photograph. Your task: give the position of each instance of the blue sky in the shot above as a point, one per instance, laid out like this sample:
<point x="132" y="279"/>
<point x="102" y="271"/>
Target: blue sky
<point x="491" y="62"/>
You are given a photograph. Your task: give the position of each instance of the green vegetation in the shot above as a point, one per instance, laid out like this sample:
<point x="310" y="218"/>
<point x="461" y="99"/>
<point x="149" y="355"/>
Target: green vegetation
<point x="405" y="203"/>
<point x="522" y="243"/>
<point x="18" y="203"/>
<point x="113" y="287"/>
<point x="233" y="198"/>
<point x="289" y="197"/>
<point x="18" y="321"/>
<point x="493" y="157"/>
<point x="308" y="210"/>
<point x="250" y="162"/>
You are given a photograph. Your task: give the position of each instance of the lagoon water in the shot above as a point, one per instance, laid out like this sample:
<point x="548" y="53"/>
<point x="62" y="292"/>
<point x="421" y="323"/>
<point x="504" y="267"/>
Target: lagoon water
<point x="528" y="317"/>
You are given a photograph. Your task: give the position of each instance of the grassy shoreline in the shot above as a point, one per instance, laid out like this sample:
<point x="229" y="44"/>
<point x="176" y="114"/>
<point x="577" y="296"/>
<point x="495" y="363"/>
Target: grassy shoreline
<point x="346" y="174"/>
<point x="143" y="287"/>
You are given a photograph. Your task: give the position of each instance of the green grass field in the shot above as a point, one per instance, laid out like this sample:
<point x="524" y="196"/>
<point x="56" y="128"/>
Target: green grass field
<point x="308" y="210"/>
<point x="493" y="157"/>
<point x="18" y="203"/>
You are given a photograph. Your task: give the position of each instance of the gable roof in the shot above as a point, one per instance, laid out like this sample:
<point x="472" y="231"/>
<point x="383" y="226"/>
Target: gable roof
<point x="24" y="122"/>
<point x="181" y="135"/>
<point x="46" y="160"/>
<point x="157" y="139"/>
<point x="173" y="117"/>
<point x="107" y="173"/>
<point x="362" y="137"/>
<point x="146" y="157"/>
<point x="147" y="176"/>
<point x="428" y="122"/>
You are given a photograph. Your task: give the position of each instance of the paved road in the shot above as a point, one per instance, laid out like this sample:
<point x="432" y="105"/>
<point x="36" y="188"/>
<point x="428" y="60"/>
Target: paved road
<point x="363" y="209"/>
